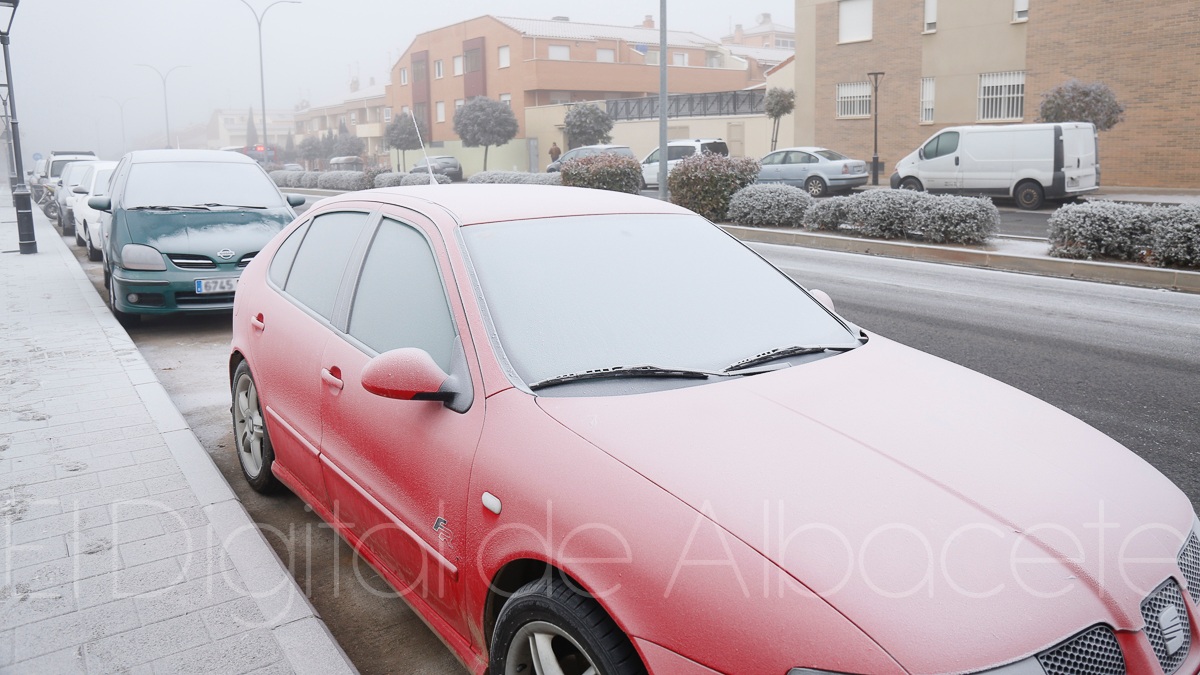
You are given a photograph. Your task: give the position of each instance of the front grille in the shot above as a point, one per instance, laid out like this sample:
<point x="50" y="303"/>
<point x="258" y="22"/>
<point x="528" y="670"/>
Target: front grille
<point x="1189" y="564"/>
<point x="1162" y="600"/>
<point x="188" y="299"/>
<point x="1093" y="652"/>
<point x="185" y="261"/>
<point x="246" y="259"/>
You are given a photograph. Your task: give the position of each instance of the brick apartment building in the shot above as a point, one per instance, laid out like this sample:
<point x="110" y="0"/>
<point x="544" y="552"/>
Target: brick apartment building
<point x="953" y="62"/>
<point x="533" y="62"/>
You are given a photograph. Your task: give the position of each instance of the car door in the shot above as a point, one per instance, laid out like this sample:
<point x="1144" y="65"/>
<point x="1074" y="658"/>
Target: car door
<point x="940" y="168"/>
<point x="289" y="330"/>
<point x="772" y="168"/>
<point x="650" y="168"/>
<point x="676" y="153"/>
<point x="399" y="470"/>
<point x="796" y="167"/>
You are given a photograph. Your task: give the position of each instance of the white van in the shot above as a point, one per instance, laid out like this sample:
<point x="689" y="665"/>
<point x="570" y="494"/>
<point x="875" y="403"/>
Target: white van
<point x="1028" y="162"/>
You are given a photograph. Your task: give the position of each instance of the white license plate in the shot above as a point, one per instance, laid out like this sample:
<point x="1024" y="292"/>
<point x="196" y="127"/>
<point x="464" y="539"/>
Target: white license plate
<point x="225" y="285"/>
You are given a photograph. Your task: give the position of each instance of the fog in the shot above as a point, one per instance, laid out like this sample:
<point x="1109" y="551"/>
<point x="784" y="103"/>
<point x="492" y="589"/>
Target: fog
<point x="74" y="61"/>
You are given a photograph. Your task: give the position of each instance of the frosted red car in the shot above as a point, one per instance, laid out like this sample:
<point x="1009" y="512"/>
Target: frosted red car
<point x="585" y="432"/>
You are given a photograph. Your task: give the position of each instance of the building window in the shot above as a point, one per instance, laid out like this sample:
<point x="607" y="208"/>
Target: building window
<point x="926" y="99"/>
<point x="557" y="97"/>
<point x="503" y="57"/>
<point x="353" y="118"/>
<point x="930" y="16"/>
<point x="506" y="99"/>
<point x="440" y="111"/>
<point x="404" y="110"/>
<point x="474" y="60"/>
<point x="652" y="57"/>
<point x="781" y="43"/>
<point x="606" y="56"/>
<point x="1002" y="96"/>
<point x="560" y="53"/>
<point x="387" y="114"/>
<point x="854" y="20"/>
<point x="437" y="69"/>
<point x="714" y="60"/>
<point x="458" y="66"/>
<point x="679" y="59"/>
<point x="341" y="120"/>
<point x="853" y="100"/>
<point x="1020" y="10"/>
<point x="458" y="103"/>
<point x="403" y="76"/>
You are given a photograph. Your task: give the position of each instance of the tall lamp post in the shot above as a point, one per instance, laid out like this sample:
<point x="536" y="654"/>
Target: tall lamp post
<point x="875" y="78"/>
<point x="121" y="107"/>
<point x="662" y="101"/>
<point x="166" y="108"/>
<point x="20" y="191"/>
<point x="262" y="80"/>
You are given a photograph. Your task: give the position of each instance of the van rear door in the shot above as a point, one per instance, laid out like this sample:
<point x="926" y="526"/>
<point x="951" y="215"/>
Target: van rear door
<point x="1079" y="157"/>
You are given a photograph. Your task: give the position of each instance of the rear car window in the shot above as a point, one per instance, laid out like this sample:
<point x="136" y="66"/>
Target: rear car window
<point x="831" y="155"/>
<point x="715" y="147"/>
<point x="679" y="152"/>
<point x="316" y="274"/>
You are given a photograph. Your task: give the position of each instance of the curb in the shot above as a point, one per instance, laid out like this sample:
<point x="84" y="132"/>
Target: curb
<point x="303" y="637"/>
<point x="1084" y="270"/>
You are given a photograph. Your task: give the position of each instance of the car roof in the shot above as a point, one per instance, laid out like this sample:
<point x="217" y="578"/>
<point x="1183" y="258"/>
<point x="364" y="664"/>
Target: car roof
<point x="598" y="147"/>
<point x="153" y="156"/>
<point x="483" y="203"/>
<point x="804" y="148"/>
<point x="689" y="141"/>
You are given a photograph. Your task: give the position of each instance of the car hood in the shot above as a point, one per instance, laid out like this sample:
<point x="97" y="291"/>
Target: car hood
<point x="206" y="232"/>
<point x="936" y="508"/>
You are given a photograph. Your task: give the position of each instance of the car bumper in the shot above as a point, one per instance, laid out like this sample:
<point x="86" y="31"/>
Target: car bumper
<point x="170" y="292"/>
<point x="847" y="182"/>
<point x="894" y="181"/>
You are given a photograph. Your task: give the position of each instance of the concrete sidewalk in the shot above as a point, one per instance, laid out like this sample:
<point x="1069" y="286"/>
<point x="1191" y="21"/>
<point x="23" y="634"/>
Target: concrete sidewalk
<point x="123" y="547"/>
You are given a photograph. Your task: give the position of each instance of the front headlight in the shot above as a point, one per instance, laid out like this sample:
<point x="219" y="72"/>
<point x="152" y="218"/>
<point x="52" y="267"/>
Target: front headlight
<point x="142" y="257"/>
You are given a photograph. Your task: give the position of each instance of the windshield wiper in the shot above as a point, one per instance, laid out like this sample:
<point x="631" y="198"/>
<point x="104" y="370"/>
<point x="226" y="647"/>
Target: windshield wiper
<point x="619" y="372"/>
<point x="781" y="353"/>
<point x="229" y="206"/>
<point x="197" y="207"/>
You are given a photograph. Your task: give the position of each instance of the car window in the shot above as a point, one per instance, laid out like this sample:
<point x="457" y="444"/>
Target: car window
<point x="84" y="178"/>
<point x="942" y="144"/>
<point x="400" y="300"/>
<point x="774" y="158"/>
<point x="675" y="152"/>
<point x="281" y="264"/>
<point x="57" y="166"/>
<point x="716" y="148"/>
<point x="189" y="183"/>
<point x="317" y="271"/>
<point x="794" y="157"/>
<point x="624" y="152"/>
<point x="831" y="155"/>
<point x="652" y="157"/>
<point x="100" y="184"/>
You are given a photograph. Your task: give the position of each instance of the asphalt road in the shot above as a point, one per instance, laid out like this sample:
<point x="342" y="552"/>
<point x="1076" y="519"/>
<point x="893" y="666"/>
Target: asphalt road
<point x="1122" y="359"/>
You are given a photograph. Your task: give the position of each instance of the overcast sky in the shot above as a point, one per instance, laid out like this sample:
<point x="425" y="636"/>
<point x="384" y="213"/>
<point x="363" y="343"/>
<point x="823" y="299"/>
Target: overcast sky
<point x="68" y="55"/>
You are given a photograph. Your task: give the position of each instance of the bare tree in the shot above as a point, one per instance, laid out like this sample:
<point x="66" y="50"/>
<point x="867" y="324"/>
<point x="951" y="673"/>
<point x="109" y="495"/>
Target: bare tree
<point x="778" y="103"/>
<point x="1074" y="101"/>
<point x="483" y="121"/>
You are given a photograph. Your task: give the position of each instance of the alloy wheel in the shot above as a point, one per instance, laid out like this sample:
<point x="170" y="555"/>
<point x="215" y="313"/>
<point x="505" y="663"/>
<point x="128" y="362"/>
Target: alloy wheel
<point x="549" y="650"/>
<point x="248" y="426"/>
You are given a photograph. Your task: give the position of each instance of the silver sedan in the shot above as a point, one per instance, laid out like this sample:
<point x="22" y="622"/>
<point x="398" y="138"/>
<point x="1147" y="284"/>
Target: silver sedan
<point x="818" y="170"/>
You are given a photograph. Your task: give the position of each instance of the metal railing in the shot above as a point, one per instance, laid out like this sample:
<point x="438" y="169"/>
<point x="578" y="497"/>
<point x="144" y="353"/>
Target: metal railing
<point x="744" y="102"/>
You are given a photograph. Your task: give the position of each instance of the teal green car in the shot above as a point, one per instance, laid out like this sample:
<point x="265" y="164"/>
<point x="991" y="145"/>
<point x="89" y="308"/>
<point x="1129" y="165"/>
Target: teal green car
<point x="180" y="227"/>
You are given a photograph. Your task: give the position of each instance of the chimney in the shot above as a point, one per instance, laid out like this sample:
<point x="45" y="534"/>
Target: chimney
<point x="737" y="34"/>
<point x="765" y="17"/>
<point x="372" y="81"/>
<point x="648" y="22"/>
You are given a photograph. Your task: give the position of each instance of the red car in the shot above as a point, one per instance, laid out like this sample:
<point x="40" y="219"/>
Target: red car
<point x="587" y="432"/>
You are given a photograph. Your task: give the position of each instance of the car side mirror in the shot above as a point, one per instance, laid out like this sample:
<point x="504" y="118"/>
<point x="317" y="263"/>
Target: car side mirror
<point x="101" y="203"/>
<point x="823" y="298"/>
<point x="80" y="190"/>
<point x="296" y="200"/>
<point x="921" y="153"/>
<point x="406" y="374"/>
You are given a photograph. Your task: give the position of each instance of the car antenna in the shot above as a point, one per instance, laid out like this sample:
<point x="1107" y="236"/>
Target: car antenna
<point x="428" y="166"/>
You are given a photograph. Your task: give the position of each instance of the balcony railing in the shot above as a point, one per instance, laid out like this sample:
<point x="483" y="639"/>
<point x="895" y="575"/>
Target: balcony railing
<point x="745" y="102"/>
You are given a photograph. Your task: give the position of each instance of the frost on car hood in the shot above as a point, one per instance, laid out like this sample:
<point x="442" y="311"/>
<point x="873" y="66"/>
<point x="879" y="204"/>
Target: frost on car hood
<point x="936" y="508"/>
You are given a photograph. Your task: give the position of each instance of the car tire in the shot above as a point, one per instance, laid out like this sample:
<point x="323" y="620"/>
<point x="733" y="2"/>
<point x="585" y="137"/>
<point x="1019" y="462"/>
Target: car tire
<point x="52" y="214"/>
<point x="1029" y="195"/>
<point x="79" y="240"/>
<point x="125" y="318"/>
<point x="581" y="633"/>
<point x="252" y="443"/>
<point x="815" y="187"/>
<point x="94" y="254"/>
<point x="911" y="183"/>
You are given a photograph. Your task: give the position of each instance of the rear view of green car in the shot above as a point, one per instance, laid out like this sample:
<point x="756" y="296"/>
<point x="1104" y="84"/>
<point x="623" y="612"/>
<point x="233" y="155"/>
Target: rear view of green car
<point x="182" y="224"/>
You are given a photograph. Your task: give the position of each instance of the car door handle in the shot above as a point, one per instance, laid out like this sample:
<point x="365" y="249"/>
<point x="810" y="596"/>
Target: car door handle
<point x="257" y="323"/>
<point x="332" y="377"/>
<point x="955" y="161"/>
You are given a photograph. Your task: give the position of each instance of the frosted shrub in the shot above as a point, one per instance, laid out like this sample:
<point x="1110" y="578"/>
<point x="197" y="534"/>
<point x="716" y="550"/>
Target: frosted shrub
<point x="423" y="179"/>
<point x="1102" y="229"/>
<point x="957" y="220"/>
<point x="342" y="180"/>
<point x="389" y="179"/>
<point x="1175" y="236"/>
<point x="618" y="173"/>
<point x="286" y="178"/>
<point x="828" y="214"/>
<point x="310" y="179"/>
<point x="769" y="206"/>
<point x="886" y="214"/>
<point x="515" y="178"/>
<point x="706" y="182"/>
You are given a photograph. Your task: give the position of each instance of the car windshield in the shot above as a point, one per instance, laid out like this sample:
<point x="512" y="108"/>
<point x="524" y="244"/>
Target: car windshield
<point x="192" y="183"/>
<point x="830" y="155"/>
<point x="57" y="166"/>
<point x="588" y="292"/>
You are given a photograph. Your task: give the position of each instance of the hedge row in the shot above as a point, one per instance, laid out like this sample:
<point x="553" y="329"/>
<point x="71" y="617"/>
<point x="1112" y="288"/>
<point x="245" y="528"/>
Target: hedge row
<point x="618" y="173"/>
<point x="399" y="178"/>
<point x="705" y="183"/>
<point x="515" y="178"/>
<point x="885" y="214"/>
<point x="1154" y="234"/>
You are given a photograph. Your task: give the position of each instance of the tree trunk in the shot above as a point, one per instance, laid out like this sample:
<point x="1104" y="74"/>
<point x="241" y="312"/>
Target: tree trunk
<point x="774" y="134"/>
<point x="485" y="151"/>
<point x="403" y="161"/>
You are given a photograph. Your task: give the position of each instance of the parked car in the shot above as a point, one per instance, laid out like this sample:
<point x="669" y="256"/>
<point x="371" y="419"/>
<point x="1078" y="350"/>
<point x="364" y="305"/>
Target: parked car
<point x="347" y="163"/>
<point x="183" y="226"/>
<point x="65" y="196"/>
<point x="588" y="151"/>
<point x="677" y="150"/>
<point x="444" y="164"/>
<point x="817" y="170"/>
<point x="582" y="431"/>
<point x="292" y="167"/>
<point x="47" y="183"/>
<point x="1027" y="162"/>
<point x="89" y="224"/>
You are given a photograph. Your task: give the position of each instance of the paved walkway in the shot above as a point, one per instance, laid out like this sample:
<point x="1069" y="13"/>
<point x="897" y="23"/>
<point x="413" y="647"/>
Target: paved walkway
<point x="123" y="548"/>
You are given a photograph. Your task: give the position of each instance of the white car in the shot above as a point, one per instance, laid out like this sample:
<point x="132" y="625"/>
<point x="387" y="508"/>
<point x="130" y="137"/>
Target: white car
<point x="677" y="150"/>
<point x="89" y="230"/>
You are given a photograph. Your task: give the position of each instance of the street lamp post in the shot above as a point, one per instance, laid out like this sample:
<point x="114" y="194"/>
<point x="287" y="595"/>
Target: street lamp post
<point x="121" y="107"/>
<point x="662" y="101"/>
<point x="20" y="191"/>
<point x="875" y="78"/>
<point x="166" y="108"/>
<point x="262" y="81"/>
